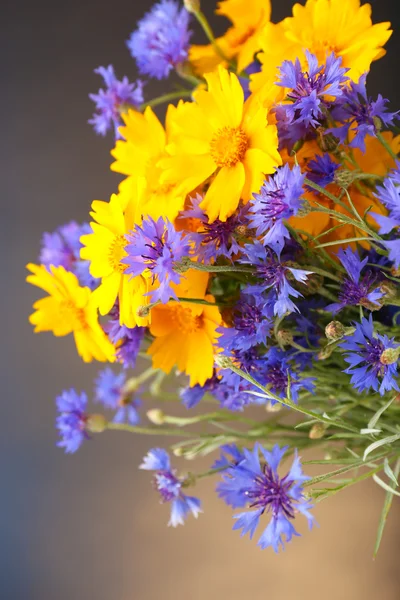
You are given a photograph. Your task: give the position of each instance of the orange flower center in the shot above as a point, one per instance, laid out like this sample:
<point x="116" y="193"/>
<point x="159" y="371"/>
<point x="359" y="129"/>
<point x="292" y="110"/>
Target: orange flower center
<point x="228" y="146"/>
<point x="73" y="315"/>
<point x="184" y="320"/>
<point x="116" y="252"/>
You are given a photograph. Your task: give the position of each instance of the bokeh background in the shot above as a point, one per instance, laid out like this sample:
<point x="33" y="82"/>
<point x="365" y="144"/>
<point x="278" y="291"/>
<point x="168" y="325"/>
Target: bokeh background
<point x="89" y="526"/>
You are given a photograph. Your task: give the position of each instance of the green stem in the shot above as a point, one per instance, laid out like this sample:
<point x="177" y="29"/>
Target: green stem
<point x="149" y="430"/>
<point x="167" y="98"/>
<point x="202" y="19"/>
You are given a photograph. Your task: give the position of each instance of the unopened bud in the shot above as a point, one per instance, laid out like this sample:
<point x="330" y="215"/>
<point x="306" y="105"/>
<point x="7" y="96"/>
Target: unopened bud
<point x="284" y="337"/>
<point x="390" y="356"/>
<point x="183" y="265"/>
<point x="317" y="431"/>
<point x="178" y="451"/>
<point x="370" y="305"/>
<point x="395" y="272"/>
<point x="389" y="290"/>
<point x="156" y="416"/>
<point x="192" y="6"/>
<point x="304" y="210"/>
<point x="143" y="311"/>
<point x="325" y="352"/>
<point x="335" y="330"/>
<point x="344" y="177"/>
<point x="377" y="123"/>
<point x="273" y="407"/>
<point x="224" y="362"/>
<point x="96" y="423"/>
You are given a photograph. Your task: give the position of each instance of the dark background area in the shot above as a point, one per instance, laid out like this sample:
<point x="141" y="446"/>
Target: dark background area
<point x="89" y="526"/>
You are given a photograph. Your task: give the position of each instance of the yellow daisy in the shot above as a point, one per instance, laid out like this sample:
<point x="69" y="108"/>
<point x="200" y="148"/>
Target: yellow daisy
<point x="241" y="41"/>
<point x="138" y="155"/>
<point x="105" y="248"/>
<point x="220" y="134"/>
<point x="322" y="26"/>
<point x="69" y="308"/>
<point x="185" y="333"/>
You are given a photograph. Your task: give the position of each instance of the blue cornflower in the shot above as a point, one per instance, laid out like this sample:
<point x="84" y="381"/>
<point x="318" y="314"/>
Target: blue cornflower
<point x="156" y="246"/>
<point x="322" y="169"/>
<point x="360" y="114"/>
<point x="217" y="238"/>
<point x="260" y="486"/>
<point x="61" y="248"/>
<point x="115" y="99"/>
<point x="230" y="454"/>
<point x="252" y="323"/>
<point x="273" y="275"/>
<point x="127" y="340"/>
<point x="170" y="486"/>
<point x="161" y="40"/>
<point x="356" y="290"/>
<point x="72" y="419"/>
<point x="308" y="90"/>
<point x="278" y="199"/>
<point x="370" y="364"/>
<point x="278" y="374"/>
<point x="110" y="391"/>
<point x="191" y="396"/>
<point x="393" y="248"/>
<point x="389" y="194"/>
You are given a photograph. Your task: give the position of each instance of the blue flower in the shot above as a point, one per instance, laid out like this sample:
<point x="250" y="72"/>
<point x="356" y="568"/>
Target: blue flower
<point x="273" y="275"/>
<point x="217" y="238"/>
<point x="252" y="323"/>
<point x="72" y="419"/>
<point x="389" y="195"/>
<point x="360" y="114"/>
<point x="279" y="199"/>
<point x="393" y="248"/>
<point x="365" y="352"/>
<point x="282" y="379"/>
<point x="110" y="391"/>
<point x="61" y="248"/>
<point x="260" y="486"/>
<point x="230" y="454"/>
<point x="308" y="90"/>
<point x="161" y="40"/>
<point x="156" y="246"/>
<point x="322" y="170"/>
<point x="170" y="486"/>
<point x="116" y="98"/>
<point x="356" y="290"/>
<point x="127" y="340"/>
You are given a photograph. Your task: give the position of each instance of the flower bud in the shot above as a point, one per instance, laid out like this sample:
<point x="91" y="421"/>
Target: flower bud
<point x="96" y="423"/>
<point x="344" y="177"/>
<point x="284" y="337"/>
<point x="224" y="362"/>
<point x="335" y="330"/>
<point x="143" y="311"/>
<point x="192" y="6"/>
<point x="389" y="289"/>
<point x="325" y="352"/>
<point x="390" y="356"/>
<point x="317" y="431"/>
<point x="183" y="265"/>
<point x="156" y="416"/>
<point x="273" y="408"/>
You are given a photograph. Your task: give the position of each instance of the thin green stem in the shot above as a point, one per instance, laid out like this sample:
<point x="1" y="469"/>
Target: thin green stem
<point x="202" y="19"/>
<point x="167" y="98"/>
<point x="150" y="430"/>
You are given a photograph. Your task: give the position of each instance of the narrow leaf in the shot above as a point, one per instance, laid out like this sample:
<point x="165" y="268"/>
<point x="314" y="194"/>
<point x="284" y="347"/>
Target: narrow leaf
<point x="378" y="414"/>
<point x="385" y="511"/>
<point x="388" y="471"/>
<point x="379" y="443"/>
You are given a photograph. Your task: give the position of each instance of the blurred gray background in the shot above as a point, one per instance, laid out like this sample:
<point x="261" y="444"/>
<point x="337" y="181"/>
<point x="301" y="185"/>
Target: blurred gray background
<point x="89" y="526"/>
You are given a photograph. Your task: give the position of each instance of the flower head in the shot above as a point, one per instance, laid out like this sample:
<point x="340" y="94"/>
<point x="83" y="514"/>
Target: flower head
<point x="389" y="194"/>
<point x="69" y="308"/>
<point x="260" y="486"/>
<point x="61" y="248"/>
<point x="356" y="290"/>
<point x="71" y="419"/>
<point x="111" y="392"/>
<point x="279" y="199"/>
<point x="282" y="379"/>
<point x="252" y="323"/>
<point x="161" y="41"/>
<point x="360" y="114"/>
<point x="322" y="169"/>
<point x="364" y="352"/>
<point x="155" y="247"/>
<point x="169" y="486"/>
<point x="127" y="340"/>
<point x="311" y="90"/>
<point x="116" y="98"/>
<point x="273" y="274"/>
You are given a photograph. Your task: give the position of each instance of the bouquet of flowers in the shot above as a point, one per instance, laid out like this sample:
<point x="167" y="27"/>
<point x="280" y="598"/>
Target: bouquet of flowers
<point x="253" y="249"/>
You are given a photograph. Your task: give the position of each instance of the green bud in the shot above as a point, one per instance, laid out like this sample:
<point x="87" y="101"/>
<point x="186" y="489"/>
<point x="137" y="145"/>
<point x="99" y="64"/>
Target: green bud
<point x="335" y="330"/>
<point x="273" y="408"/>
<point x="284" y="337"/>
<point x="325" y="352"/>
<point x="183" y="265"/>
<point x="192" y="6"/>
<point x="390" y="356"/>
<point x="317" y="431"/>
<point x="344" y="177"/>
<point x="224" y="362"/>
<point x="156" y="416"/>
<point x="143" y="311"/>
<point x="96" y="423"/>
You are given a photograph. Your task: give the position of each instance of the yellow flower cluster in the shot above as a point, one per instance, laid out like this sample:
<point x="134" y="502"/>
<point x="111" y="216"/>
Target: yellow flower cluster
<point x="219" y="145"/>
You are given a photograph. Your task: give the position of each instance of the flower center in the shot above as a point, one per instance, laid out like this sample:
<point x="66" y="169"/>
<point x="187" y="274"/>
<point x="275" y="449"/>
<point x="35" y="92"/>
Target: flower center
<point x="168" y="485"/>
<point x="228" y="146"/>
<point x="271" y="493"/>
<point x="116" y="252"/>
<point x="184" y="320"/>
<point x="322" y="48"/>
<point x="72" y="315"/>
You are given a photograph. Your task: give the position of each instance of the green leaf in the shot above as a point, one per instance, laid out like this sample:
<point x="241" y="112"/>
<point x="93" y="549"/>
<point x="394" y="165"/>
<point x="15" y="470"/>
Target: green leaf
<point x="385" y="485"/>
<point x="378" y="414"/>
<point x="387" y="440"/>
<point x="385" y="511"/>
<point x="389" y="472"/>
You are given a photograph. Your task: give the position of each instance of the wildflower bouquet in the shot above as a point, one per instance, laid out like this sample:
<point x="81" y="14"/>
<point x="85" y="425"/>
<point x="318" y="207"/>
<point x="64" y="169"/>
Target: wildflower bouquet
<point x="253" y="247"/>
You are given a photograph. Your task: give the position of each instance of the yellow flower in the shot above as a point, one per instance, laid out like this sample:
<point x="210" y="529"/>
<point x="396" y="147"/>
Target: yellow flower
<point x="322" y="26"/>
<point x="69" y="308"/>
<point x="138" y="156"/>
<point x="105" y="248"/>
<point x="186" y="332"/>
<point x="219" y="134"/>
<point x="241" y="41"/>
